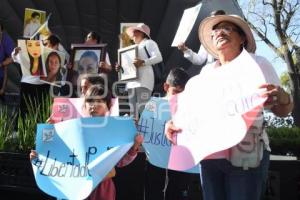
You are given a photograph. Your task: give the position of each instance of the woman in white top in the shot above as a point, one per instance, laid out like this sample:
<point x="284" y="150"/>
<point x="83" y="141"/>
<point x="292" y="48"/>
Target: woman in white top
<point x="140" y="89"/>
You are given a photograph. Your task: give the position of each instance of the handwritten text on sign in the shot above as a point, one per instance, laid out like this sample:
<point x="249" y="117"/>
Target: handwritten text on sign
<point x="75" y="155"/>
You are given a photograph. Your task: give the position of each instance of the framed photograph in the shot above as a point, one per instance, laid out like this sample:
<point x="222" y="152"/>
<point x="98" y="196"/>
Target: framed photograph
<point x="85" y="58"/>
<point x="125" y="40"/>
<point x="125" y="58"/>
<point x="33" y="19"/>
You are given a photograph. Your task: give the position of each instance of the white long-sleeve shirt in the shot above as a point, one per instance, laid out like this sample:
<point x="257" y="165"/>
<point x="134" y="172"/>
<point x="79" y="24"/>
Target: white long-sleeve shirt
<point x="198" y="58"/>
<point x="145" y="73"/>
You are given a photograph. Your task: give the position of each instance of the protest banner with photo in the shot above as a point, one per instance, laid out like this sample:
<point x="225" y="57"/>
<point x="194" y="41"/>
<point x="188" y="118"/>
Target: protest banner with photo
<point x="152" y="125"/>
<point x="216" y="109"/>
<point x="31" y="58"/>
<point x="75" y="155"/>
<point x="33" y="19"/>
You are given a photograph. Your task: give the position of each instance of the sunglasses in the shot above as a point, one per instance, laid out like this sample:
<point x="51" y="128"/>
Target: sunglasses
<point x="225" y="29"/>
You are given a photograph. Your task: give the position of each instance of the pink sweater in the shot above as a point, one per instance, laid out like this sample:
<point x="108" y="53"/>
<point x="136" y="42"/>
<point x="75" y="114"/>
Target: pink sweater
<point x="106" y="189"/>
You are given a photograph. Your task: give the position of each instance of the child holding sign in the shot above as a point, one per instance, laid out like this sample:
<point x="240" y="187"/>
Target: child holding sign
<point x="164" y="183"/>
<point x="97" y="103"/>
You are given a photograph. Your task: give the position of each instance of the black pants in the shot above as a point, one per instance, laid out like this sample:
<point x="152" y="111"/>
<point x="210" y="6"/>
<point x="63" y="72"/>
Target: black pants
<point x="177" y="188"/>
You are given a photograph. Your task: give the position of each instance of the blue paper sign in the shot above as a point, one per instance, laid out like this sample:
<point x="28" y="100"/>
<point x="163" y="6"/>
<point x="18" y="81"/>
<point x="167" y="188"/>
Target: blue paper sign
<point x="152" y="125"/>
<point x="75" y="155"/>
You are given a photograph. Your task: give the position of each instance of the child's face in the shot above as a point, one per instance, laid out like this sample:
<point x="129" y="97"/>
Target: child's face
<point x="34" y="48"/>
<point x="84" y="86"/>
<point x="96" y="107"/>
<point x="172" y="90"/>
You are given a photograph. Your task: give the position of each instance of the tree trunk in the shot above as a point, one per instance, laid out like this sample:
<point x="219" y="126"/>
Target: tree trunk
<point x="296" y="97"/>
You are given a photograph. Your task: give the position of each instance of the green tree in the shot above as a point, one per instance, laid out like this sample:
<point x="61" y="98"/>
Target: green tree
<point x="276" y="22"/>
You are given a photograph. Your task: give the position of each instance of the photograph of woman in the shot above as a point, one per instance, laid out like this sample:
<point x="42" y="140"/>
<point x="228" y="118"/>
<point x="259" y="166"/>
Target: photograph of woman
<point x="34" y="52"/>
<point x="53" y="66"/>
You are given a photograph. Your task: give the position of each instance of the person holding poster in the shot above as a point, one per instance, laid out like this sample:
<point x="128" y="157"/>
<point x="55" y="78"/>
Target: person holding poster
<point x="93" y="38"/>
<point x="140" y="89"/>
<point x="236" y="173"/>
<point x="162" y="182"/>
<point x="202" y="56"/>
<point x="31" y="85"/>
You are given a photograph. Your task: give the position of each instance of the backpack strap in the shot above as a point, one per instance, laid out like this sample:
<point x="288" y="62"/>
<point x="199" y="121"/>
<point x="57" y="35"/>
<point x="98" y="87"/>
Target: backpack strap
<point x="147" y="52"/>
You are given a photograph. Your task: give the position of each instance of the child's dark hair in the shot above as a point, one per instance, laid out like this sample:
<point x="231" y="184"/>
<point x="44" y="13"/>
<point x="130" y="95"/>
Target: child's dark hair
<point x="177" y="77"/>
<point x="94" y="79"/>
<point x="98" y="92"/>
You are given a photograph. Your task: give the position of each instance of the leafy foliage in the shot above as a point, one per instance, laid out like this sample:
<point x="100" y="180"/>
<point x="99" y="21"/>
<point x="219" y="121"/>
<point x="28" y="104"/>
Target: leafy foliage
<point x="285" y="141"/>
<point x="23" y="139"/>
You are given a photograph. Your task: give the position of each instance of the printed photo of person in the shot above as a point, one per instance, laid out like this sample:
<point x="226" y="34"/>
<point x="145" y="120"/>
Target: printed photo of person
<point x="30" y="58"/>
<point x="33" y="19"/>
<point x="86" y="61"/>
<point x="124" y="38"/>
<point x="54" y="61"/>
<point x="34" y="53"/>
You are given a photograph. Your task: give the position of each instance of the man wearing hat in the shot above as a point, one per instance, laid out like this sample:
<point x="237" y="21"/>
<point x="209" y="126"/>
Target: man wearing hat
<point x="225" y="37"/>
<point x="140" y="89"/>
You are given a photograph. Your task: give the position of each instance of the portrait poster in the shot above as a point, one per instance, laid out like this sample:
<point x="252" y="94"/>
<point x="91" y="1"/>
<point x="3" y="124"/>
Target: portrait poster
<point x="125" y="40"/>
<point x="126" y="57"/>
<point x="33" y="19"/>
<point x="53" y="62"/>
<point x="85" y="58"/>
<point x="31" y="58"/>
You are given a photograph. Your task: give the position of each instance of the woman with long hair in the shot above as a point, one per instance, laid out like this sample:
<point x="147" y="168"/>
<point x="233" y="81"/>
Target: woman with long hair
<point x="34" y="53"/>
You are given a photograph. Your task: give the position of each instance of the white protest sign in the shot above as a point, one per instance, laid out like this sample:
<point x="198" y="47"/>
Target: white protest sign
<point x="216" y="109"/>
<point x="186" y="24"/>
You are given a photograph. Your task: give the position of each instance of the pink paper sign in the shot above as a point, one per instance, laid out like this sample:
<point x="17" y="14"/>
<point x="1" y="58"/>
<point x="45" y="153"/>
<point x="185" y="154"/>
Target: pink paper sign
<point x="70" y="108"/>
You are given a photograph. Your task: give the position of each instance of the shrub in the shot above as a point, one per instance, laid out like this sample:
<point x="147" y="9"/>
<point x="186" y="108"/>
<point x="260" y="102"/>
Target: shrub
<point x="23" y="138"/>
<point x="285" y="141"/>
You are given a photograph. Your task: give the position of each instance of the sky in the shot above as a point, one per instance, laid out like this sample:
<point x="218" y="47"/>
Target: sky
<point x="263" y="50"/>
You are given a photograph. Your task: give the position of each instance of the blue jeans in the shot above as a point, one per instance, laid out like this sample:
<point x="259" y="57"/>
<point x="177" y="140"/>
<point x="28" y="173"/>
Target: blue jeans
<point x="222" y="181"/>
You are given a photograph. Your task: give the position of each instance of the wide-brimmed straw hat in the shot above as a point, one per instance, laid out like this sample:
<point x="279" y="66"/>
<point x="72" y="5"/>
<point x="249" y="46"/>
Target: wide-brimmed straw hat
<point x="208" y="23"/>
<point x="140" y="27"/>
